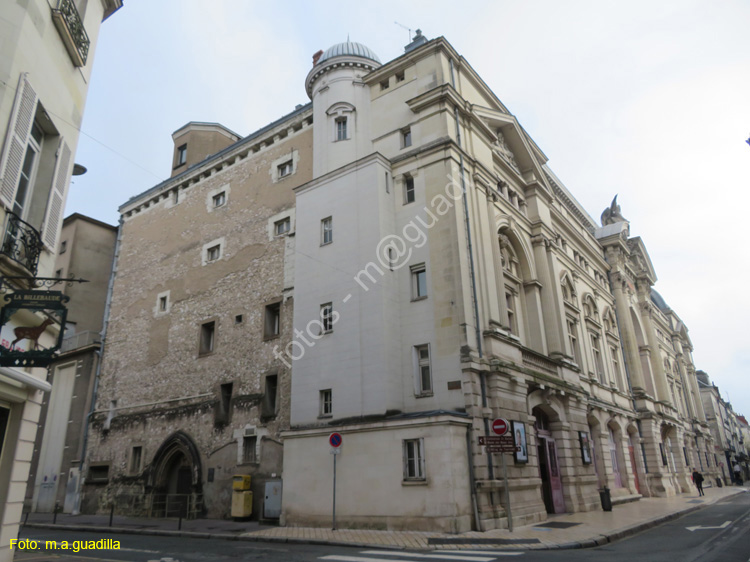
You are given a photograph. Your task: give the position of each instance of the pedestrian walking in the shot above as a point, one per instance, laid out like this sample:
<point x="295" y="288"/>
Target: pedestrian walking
<point x="737" y="473"/>
<point x="698" y="481"/>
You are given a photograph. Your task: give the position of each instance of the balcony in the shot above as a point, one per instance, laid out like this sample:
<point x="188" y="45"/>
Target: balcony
<point x="81" y="339"/>
<point x="21" y="243"/>
<point x="70" y="26"/>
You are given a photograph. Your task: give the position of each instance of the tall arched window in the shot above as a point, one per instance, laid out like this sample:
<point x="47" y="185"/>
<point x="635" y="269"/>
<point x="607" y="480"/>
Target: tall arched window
<point x="512" y="291"/>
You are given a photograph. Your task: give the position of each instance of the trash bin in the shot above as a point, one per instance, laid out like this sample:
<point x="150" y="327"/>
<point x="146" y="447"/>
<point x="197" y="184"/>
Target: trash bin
<point x="606" y="499"/>
<point x="242" y="497"/>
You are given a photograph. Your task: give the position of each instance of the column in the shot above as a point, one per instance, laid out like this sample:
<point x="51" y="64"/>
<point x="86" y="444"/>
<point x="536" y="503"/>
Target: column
<point x="553" y="326"/>
<point x="627" y="335"/>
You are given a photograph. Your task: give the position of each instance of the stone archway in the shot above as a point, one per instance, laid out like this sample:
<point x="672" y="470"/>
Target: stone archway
<point x="174" y="479"/>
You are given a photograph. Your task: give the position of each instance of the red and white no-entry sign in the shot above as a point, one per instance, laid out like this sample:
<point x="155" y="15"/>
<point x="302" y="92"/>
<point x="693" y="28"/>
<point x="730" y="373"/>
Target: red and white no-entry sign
<point x="500" y="426"/>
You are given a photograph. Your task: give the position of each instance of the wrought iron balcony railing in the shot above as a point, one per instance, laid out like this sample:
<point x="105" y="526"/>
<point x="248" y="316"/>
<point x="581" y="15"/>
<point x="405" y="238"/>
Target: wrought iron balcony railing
<point x="70" y="26"/>
<point x="21" y="242"/>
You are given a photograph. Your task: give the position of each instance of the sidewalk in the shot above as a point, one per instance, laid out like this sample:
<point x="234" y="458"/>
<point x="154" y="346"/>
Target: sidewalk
<point x="572" y="530"/>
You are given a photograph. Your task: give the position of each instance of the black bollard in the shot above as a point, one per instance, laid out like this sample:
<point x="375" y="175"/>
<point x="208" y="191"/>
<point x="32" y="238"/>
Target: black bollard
<point x="111" y="514"/>
<point x="54" y="512"/>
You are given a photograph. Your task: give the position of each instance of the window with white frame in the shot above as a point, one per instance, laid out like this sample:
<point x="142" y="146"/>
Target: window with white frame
<point x="326" y="402"/>
<point x="413" y="459"/>
<point x="510" y="306"/>
<point x="213" y="253"/>
<point x="285" y="168"/>
<point x="326" y="231"/>
<point x="326" y="317"/>
<point x="219" y="199"/>
<point x="615" y="364"/>
<point x="409" y="195"/>
<point x="418" y="281"/>
<point x="341" y="129"/>
<point x="573" y="339"/>
<point x="423" y="372"/>
<point x="597" y="351"/>
<point x="282" y="227"/>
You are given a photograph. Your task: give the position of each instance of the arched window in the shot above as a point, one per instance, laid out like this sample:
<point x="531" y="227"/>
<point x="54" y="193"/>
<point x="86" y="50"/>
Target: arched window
<point x="568" y="291"/>
<point x="513" y="290"/>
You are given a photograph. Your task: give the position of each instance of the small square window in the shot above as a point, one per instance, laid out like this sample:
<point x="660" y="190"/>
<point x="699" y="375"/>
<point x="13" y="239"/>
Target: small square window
<point x="163" y="302"/>
<point x="408" y="190"/>
<point x="341" y="132"/>
<point x="213" y="253"/>
<point x="405" y="138"/>
<point x="282" y="227"/>
<point x="135" y="459"/>
<point x="220" y="199"/>
<point x="98" y="474"/>
<point x="418" y="282"/>
<point x="272" y="320"/>
<point x="414" y="459"/>
<point x="384" y="85"/>
<point x="249" y="443"/>
<point x="400" y="76"/>
<point x="238" y="319"/>
<point x="285" y="169"/>
<point x="181" y="155"/>
<point x="63" y="246"/>
<point x="326" y="231"/>
<point x="423" y="373"/>
<point x="326" y="402"/>
<point x="207" y="337"/>
<point x="326" y="316"/>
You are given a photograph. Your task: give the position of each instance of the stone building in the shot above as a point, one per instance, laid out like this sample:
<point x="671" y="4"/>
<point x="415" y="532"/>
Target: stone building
<point x="46" y="57"/>
<point x="429" y="273"/>
<point x="86" y="250"/>
<point x="459" y="281"/>
<point x="191" y="389"/>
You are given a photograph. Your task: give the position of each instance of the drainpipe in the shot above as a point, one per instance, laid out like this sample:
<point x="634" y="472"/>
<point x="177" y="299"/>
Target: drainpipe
<point x="92" y="408"/>
<point x="478" y="332"/>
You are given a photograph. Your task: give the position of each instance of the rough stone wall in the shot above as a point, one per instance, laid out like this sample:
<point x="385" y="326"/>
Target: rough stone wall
<point x="152" y="367"/>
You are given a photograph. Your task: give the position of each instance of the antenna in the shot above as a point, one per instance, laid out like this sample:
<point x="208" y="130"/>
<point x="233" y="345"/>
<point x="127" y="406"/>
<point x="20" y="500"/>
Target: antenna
<point x="406" y="28"/>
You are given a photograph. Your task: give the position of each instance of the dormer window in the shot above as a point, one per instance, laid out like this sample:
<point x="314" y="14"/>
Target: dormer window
<point x="181" y="155"/>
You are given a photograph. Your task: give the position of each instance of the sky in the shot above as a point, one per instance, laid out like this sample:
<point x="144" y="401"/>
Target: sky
<point x="647" y="100"/>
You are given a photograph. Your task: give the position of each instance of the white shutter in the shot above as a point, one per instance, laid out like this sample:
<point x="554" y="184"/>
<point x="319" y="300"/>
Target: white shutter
<point x="56" y="203"/>
<point x="14" y="149"/>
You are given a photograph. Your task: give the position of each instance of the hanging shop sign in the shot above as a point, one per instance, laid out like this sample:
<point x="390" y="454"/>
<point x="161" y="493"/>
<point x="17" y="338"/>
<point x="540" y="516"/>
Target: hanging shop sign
<point x="24" y="318"/>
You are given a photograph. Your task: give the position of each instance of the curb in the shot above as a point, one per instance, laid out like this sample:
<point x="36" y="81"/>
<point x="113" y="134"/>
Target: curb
<point x="592" y="542"/>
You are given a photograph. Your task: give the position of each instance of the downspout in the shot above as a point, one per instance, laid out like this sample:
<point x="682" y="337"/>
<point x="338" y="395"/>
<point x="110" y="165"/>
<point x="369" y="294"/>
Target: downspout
<point x="99" y="353"/>
<point x="478" y="332"/>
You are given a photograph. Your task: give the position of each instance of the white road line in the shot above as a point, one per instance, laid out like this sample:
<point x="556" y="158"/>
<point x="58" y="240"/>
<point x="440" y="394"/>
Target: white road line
<point x="494" y="552"/>
<point x="439" y="556"/>
<point x="359" y="559"/>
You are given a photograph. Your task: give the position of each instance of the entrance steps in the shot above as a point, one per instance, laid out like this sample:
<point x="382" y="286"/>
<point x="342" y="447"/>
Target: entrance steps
<point x="626" y="499"/>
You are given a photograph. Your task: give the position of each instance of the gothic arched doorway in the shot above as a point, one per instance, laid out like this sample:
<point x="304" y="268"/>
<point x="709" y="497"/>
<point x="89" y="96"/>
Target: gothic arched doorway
<point x="175" y="478"/>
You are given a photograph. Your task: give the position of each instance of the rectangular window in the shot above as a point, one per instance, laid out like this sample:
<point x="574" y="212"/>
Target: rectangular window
<point x="272" y="320"/>
<point x="326" y="231"/>
<point x="405" y="138"/>
<point x="326" y="316"/>
<point x="163" y="304"/>
<point x="326" y="402"/>
<point x="213" y="253"/>
<point x="384" y="85"/>
<point x="249" y="442"/>
<point x="282" y="227"/>
<point x="510" y="305"/>
<point x="408" y="190"/>
<point x="207" y="338"/>
<point x="418" y="282"/>
<point x="423" y="374"/>
<point x="63" y="246"/>
<point x="269" y="397"/>
<point x="59" y="274"/>
<point x="573" y="339"/>
<point x="400" y="76"/>
<point x="98" y="474"/>
<point x="596" y="349"/>
<point x="238" y="319"/>
<point x="135" y="459"/>
<point x="341" y="133"/>
<point x="181" y="155"/>
<point x="615" y="364"/>
<point x="414" y="459"/>
<point x="219" y="199"/>
<point x="223" y="407"/>
<point x="285" y="169"/>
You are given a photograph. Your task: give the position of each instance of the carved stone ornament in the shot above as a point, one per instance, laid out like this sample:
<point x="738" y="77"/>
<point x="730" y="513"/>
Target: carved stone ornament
<point x="612" y="214"/>
<point x="502" y="148"/>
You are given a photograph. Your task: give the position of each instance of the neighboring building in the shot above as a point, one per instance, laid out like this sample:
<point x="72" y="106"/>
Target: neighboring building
<point x="191" y="390"/>
<point x="45" y="68"/>
<point x="440" y="275"/>
<point x="86" y="250"/>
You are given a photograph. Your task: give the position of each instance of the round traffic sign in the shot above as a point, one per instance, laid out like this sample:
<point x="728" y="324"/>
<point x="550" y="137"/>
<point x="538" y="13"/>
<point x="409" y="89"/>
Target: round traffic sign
<point x="335" y="440"/>
<point x="500" y="426"/>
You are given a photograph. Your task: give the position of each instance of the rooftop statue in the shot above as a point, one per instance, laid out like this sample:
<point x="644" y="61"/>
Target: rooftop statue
<point x="612" y="214"/>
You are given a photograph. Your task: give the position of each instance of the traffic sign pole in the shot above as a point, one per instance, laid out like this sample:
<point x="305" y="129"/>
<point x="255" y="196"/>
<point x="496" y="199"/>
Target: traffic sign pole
<point x="334" y="491"/>
<point x="507" y="493"/>
<point x="335" y="440"/>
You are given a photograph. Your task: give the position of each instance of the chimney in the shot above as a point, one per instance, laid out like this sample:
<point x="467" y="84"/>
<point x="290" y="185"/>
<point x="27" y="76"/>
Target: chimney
<point x="418" y="41"/>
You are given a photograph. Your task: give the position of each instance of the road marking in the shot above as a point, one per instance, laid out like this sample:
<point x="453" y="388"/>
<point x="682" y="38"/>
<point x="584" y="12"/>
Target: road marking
<point x="440" y="556"/>
<point x="701" y="528"/>
<point x="495" y="552"/>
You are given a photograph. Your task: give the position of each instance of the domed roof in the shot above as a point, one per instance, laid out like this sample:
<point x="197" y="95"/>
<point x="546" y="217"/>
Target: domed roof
<point x="349" y="48"/>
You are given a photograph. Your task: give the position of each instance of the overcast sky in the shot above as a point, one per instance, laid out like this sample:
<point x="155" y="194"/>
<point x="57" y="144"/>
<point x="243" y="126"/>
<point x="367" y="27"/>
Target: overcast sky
<point x="648" y="100"/>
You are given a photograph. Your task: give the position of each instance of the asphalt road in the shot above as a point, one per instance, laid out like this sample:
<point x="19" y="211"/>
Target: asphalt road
<point x="720" y="532"/>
